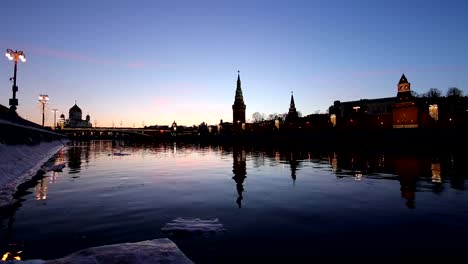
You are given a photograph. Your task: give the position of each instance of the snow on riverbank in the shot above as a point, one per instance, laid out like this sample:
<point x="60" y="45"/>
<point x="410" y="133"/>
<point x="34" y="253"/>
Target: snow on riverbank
<point x="155" y="251"/>
<point x="19" y="163"/>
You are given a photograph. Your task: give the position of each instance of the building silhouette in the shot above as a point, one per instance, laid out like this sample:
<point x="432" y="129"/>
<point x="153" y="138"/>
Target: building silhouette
<point x="401" y="112"/>
<point x="75" y="118"/>
<point x="292" y="113"/>
<point x="238" y="108"/>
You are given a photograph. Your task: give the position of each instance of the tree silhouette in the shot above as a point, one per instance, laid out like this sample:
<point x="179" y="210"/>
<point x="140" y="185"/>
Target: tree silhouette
<point x="257" y="117"/>
<point x="433" y="93"/>
<point x="414" y="94"/>
<point x="454" y="92"/>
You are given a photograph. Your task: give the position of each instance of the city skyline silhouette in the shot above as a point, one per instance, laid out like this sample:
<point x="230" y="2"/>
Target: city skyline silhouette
<point x="158" y="62"/>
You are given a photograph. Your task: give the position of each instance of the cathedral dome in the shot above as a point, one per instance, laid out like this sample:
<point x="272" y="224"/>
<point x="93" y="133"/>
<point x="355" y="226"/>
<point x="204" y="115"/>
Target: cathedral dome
<point x="75" y="108"/>
<point x="75" y="113"/>
<point x="62" y="116"/>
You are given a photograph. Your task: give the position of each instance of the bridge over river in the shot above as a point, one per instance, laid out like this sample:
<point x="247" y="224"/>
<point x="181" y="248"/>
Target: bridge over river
<point x="115" y="133"/>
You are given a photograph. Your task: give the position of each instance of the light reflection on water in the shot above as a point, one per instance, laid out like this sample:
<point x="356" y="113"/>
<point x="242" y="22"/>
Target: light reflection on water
<point x="274" y="202"/>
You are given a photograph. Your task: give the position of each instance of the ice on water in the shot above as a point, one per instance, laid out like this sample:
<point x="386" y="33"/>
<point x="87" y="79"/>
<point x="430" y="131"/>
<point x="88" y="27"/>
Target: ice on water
<point x="193" y="225"/>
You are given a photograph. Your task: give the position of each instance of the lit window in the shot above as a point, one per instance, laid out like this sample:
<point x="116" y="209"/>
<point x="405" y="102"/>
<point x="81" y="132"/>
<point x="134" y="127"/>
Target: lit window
<point x="333" y="119"/>
<point x="434" y="111"/>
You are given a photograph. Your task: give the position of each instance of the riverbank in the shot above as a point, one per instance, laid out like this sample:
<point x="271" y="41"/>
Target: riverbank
<point x="24" y="148"/>
<point x="155" y="251"/>
<point x="20" y="163"/>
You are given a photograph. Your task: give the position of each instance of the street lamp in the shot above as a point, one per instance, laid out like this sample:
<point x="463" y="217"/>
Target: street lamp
<point x="55" y="117"/>
<point x="14" y="56"/>
<point x="43" y="99"/>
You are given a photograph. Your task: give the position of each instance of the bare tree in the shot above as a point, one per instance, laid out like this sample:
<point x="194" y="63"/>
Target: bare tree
<point x="258" y="117"/>
<point x="433" y="93"/>
<point x="272" y="116"/>
<point x="454" y="92"/>
<point x="415" y="94"/>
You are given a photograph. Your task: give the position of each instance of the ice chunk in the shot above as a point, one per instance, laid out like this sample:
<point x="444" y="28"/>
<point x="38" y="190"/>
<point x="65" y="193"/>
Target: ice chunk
<point x="53" y="167"/>
<point x="193" y="225"/>
<point x="120" y="154"/>
<point x="146" y="252"/>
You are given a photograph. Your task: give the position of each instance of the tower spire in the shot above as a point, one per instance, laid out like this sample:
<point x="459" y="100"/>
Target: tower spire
<point x="292" y="114"/>
<point x="239" y="96"/>
<point x="292" y="104"/>
<point x="238" y="107"/>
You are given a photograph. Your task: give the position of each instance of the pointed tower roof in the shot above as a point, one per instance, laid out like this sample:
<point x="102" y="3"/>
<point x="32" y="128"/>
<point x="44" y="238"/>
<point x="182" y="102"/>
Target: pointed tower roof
<point x="292" y="104"/>
<point x="403" y="79"/>
<point x="239" y="97"/>
<point x="292" y="114"/>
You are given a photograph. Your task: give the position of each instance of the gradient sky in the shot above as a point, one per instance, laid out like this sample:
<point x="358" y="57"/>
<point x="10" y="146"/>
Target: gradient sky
<point x="149" y="61"/>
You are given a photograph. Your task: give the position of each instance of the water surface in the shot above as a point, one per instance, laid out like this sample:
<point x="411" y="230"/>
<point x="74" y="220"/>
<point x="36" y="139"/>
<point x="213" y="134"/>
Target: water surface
<point x="293" y="203"/>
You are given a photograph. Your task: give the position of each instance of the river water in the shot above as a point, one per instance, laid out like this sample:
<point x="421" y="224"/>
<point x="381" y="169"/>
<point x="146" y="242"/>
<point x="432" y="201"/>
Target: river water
<point x="293" y="203"/>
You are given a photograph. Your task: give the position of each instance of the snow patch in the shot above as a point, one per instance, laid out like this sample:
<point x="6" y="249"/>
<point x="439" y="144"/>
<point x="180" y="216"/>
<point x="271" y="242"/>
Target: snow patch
<point x="19" y="163"/>
<point x="146" y="252"/>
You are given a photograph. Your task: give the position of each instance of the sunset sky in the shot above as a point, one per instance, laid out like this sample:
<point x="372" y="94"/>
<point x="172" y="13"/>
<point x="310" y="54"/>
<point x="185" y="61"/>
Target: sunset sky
<point x="131" y="62"/>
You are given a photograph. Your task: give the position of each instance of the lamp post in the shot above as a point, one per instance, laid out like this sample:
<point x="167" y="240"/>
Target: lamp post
<point x="55" y="117"/>
<point x="43" y="99"/>
<point x="14" y="56"/>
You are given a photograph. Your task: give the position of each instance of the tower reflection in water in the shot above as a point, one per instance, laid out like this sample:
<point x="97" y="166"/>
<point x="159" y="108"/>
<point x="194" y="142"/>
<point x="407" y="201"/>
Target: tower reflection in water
<point x="239" y="168"/>
<point x="74" y="158"/>
<point x="408" y="169"/>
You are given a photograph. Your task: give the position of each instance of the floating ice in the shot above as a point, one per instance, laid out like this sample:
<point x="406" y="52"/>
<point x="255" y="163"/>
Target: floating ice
<point x="193" y="225"/>
<point x="52" y="167"/>
<point x="120" y="154"/>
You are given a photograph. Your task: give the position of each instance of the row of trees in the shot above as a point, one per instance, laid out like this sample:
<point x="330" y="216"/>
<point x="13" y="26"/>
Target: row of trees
<point x="436" y="93"/>
<point x="259" y="117"/>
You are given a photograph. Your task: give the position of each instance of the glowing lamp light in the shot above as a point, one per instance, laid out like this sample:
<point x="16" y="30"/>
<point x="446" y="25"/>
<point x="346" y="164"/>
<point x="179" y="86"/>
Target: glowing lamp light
<point x="9" y="256"/>
<point x="43" y="98"/>
<point x="8" y="55"/>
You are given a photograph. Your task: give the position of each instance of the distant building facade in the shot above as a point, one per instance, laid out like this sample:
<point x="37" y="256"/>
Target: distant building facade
<point x="403" y="111"/>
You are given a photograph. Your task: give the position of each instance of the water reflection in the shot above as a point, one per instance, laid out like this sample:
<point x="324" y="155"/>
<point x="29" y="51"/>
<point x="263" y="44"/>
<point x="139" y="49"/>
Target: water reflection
<point x="163" y="180"/>
<point x="435" y="169"/>
<point x="41" y="189"/>
<point x="293" y="164"/>
<point x="239" y="168"/>
<point x="74" y="159"/>
<point x="410" y="168"/>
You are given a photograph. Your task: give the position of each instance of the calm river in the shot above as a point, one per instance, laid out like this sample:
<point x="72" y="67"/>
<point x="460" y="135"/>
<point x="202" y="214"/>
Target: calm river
<point x="274" y="203"/>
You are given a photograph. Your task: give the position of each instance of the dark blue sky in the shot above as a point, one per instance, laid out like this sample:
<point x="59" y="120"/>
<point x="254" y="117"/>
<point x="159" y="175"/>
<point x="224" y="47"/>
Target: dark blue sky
<point x="156" y="61"/>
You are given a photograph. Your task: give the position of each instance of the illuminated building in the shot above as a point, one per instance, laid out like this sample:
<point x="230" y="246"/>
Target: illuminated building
<point x="405" y="109"/>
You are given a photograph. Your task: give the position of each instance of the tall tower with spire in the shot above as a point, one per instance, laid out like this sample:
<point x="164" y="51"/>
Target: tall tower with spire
<point x="405" y="111"/>
<point x="404" y="89"/>
<point x="238" y="108"/>
<point x="292" y="113"/>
